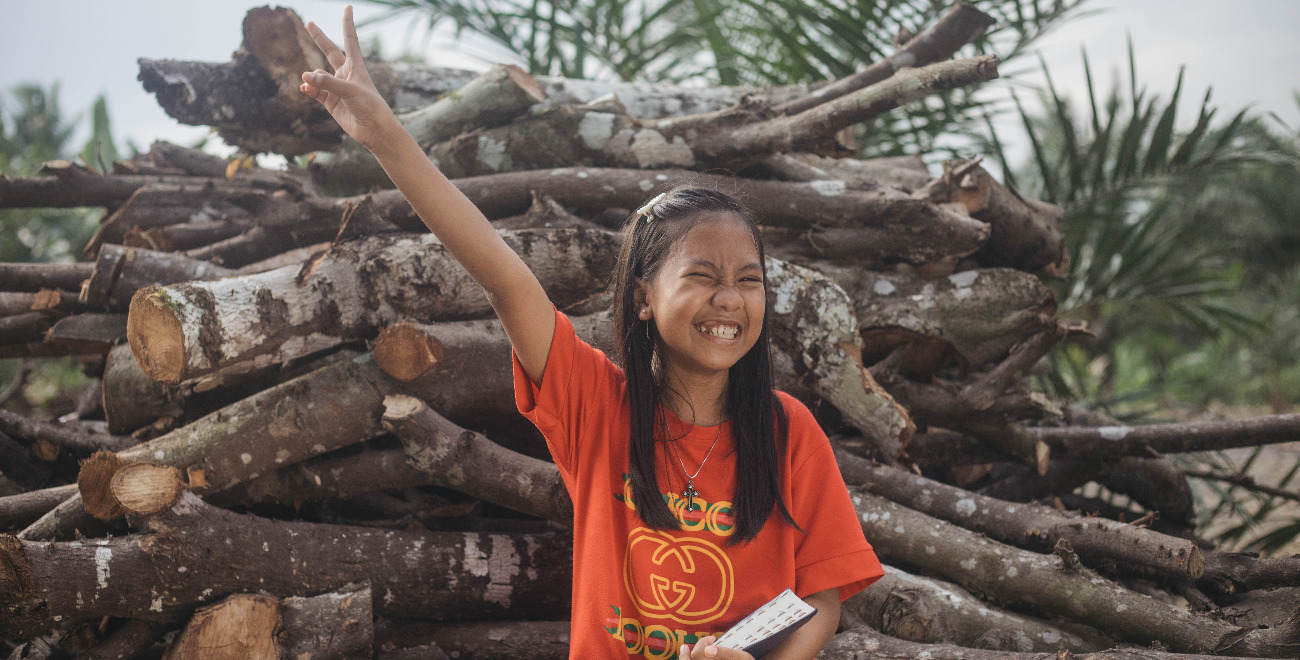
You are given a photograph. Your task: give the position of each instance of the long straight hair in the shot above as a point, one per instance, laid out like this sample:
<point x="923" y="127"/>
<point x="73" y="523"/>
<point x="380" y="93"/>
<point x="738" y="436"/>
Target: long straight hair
<point x="759" y="425"/>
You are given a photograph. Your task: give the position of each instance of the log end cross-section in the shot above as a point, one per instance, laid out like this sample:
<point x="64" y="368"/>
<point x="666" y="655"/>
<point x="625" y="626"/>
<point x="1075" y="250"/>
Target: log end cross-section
<point x="156" y="336"/>
<point x="94" y="481"/>
<point x="146" y="488"/>
<point x="404" y="351"/>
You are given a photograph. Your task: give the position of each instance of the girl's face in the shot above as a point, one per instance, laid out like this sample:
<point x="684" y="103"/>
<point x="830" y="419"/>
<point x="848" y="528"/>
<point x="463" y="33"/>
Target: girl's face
<point x="707" y="299"/>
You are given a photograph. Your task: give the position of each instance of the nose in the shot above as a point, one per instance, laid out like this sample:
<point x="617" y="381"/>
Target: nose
<point x="728" y="297"/>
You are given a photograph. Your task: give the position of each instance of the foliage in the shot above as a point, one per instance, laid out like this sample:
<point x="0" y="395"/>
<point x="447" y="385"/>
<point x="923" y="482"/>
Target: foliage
<point x="33" y="131"/>
<point x="756" y="43"/>
<point x="1183" y="261"/>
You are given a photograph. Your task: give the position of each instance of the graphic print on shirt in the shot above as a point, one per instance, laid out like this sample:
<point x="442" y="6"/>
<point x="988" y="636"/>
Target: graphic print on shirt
<point x="680" y="582"/>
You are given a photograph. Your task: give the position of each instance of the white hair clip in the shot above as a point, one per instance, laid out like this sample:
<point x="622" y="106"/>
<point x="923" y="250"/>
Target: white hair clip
<point x="647" y="211"/>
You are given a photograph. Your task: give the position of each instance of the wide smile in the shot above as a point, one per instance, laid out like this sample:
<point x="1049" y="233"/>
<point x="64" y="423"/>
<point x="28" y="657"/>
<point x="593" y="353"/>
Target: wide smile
<point x="718" y="329"/>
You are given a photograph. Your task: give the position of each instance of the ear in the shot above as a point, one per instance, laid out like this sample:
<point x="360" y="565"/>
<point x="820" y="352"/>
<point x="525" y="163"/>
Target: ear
<point x="641" y="296"/>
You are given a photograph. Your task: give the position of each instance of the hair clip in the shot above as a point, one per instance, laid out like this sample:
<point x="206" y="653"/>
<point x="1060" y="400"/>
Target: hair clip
<point x="647" y="211"/>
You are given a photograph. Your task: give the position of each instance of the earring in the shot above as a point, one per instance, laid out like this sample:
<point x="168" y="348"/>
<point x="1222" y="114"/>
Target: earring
<point x="647" y="331"/>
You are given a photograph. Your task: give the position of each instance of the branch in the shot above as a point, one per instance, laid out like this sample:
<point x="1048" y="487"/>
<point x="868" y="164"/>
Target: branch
<point x="1115" y="441"/>
<point x="961" y="25"/>
<point x="32" y="430"/>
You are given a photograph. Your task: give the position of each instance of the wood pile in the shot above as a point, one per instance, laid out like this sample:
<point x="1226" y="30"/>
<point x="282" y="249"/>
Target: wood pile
<point x="302" y="440"/>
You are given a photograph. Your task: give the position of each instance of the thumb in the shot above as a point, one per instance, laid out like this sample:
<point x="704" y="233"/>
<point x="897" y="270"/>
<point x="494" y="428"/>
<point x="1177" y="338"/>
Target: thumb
<point x="321" y="79"/>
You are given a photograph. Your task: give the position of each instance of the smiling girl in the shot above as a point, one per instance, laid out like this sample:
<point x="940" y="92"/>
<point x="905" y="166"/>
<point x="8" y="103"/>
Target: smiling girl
<point x="699" y="492"/>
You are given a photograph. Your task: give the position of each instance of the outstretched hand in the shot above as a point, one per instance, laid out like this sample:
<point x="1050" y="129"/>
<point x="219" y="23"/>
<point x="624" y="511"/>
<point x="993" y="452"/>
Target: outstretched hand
<point x="705" y="650"/>
<point x="348" y="93"/>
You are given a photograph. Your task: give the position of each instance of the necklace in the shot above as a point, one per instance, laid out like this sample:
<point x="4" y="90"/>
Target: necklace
<point x="690" y="493"/>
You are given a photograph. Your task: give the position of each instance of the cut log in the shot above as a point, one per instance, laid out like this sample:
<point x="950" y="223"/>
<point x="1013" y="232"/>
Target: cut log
<point x="1026" y="233"/>
<point x="863" y="643"/>
<point x="249" y="104"/>
<point x="70" y="437"/>
<point x="959" y="26"/>
<point x="185" y="331"/>
<point x="1028" y="526"/>
<point x="856" y="174"/>
<point x="1116" y="441"/>
<point x="329" y="478"/>
<point x="131" y="640"/>
<point x="24" y="328"/>
<point x="185" y="560"/>
<point x="1011" y="575"/>
<point x="145" y="489"/>
<point x="338" y="624"/>
<point x="923" y="610"/>
<point x="812" y="321"/>
<point x="496" y="97"/>
<point x="20" y="510"/>
<point x="131" y="398"/>
<point x="241" y="626"/>
<point x="88" y="333"/>
<point x="503" y="640"/>
<point x="965" y="320"/>
<point x="728" y="139"/>
<point x="181" y="200"/>
<point x="121" y="271"/>
<point x="471" y="463"/>
<point x="1231" y="572"/>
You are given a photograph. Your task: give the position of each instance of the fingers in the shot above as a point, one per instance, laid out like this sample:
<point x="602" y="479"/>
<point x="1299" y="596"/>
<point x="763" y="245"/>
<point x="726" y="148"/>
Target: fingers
<point x="326" y="46"/>
<point x="705" y="650"/>
<point x="319" y="83"/>
<point x="351" y="44"/>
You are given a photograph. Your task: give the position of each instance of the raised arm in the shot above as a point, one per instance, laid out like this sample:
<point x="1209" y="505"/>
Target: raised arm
<point x="515" y="294"/>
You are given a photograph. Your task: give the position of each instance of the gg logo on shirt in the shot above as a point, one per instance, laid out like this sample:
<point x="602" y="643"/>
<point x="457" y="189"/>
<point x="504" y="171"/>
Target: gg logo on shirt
<point x="688" y="580"/>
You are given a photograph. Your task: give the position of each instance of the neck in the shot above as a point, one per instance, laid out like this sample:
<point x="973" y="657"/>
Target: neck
<point x="700" y="400"/>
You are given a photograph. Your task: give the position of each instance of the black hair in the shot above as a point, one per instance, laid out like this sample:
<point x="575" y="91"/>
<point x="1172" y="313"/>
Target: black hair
<point x="759" y="424"/>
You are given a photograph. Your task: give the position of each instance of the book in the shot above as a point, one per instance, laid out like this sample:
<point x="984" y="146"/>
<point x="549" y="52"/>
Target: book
<point x="767" y="626"/>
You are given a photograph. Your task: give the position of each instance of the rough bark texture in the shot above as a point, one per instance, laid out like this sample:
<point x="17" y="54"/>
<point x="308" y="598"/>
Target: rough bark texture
<point x="905" y="310"/>
<point x="1016" y="576"/>
<point x="186" y="331"/>
<point x="189" y="556"/>
<point x="923" y="610"/>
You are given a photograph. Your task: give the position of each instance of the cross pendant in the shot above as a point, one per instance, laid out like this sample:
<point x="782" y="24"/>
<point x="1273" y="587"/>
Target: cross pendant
<point x="690" y="494"/>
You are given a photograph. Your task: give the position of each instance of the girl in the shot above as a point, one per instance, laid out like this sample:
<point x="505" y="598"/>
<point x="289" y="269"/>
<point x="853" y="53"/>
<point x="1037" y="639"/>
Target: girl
<point x="699" y="493"/>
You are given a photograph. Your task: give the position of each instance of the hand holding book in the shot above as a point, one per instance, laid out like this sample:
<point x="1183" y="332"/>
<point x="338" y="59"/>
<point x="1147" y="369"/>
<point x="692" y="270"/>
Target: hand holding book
<point x="758" y="633"/>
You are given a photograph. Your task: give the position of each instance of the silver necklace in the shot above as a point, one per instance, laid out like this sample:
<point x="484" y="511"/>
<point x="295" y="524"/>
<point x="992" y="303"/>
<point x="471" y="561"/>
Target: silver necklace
<point x="690" y="493"/>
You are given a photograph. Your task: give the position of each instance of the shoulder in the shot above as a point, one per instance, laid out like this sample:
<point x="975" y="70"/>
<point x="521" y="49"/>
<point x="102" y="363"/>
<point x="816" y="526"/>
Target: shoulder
<point x="796" y="412"/>
<point x="805" y="436"/>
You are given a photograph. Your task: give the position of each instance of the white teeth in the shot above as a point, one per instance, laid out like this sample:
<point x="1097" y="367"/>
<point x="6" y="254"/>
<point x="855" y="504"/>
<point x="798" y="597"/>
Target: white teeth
<point x="724" y="331"/>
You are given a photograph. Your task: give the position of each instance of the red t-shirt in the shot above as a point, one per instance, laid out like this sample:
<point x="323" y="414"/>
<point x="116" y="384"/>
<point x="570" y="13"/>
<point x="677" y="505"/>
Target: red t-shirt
<point x="637" y="591"/>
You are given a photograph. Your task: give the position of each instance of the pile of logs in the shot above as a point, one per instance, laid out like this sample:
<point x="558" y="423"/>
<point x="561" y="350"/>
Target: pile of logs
<point x="301" y="441"/>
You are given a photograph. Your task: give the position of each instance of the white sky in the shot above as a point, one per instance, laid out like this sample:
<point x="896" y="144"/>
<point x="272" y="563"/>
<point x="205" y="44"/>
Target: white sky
<point x="1247" y="49"/>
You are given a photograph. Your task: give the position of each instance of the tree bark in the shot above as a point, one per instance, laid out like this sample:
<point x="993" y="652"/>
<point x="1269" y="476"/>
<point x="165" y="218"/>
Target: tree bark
<point x="728" y="139"/>
<point x="241" y="626"/>
<point x="813" y="323"/>
<point x="1029" y="526"/>
<point x="129" y="641"/>
<point x="505" y="640"/>
<point x="922" y="610"/>
<point x="472" y="464"/>
<point x="862" y="643"/>
<point x="338" y="624"/>
<point x="1026" y="233"/>
<point x="19" y="511"/>
<point x="184" y="560"/>
<point x="186" y="331"/>
<point x="496" y="97"/>
<point x="70" y="438"/>
<point x="1011" y="575"/>
<point x="121" y="271"/>
<point x="1116" y="441"/>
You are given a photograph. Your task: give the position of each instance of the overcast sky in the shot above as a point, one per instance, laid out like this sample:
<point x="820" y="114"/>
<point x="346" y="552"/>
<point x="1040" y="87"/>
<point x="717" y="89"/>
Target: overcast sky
<point x="1247" y="50"/>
